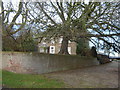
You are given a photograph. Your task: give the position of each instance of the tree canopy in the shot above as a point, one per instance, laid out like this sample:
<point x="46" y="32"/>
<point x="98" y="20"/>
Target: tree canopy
<point x="97" y="22"/>
<point x="80" y="20"/>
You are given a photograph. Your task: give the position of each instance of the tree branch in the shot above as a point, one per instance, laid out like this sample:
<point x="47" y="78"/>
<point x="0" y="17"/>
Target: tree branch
<point x="102" y="35"/>
<point x="16" y="16"/>
<point x="47" y="14"/>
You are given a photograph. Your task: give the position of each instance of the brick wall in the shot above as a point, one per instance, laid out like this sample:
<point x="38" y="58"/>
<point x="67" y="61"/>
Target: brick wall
<point x="37" y="63"/>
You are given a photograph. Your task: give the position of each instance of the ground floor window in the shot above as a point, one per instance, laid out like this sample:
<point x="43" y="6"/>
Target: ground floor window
<point x="52" y="49"/>
<point x="41" y="50"/>
<point x="69" y="50"/>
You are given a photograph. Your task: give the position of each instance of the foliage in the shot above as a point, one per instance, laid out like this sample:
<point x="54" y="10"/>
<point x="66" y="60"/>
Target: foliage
<point x="82" y="47"/>
<point x="14" y="36"/>
<point x="23" y="42"/>
<point x="14" y="80"/>
<point x="8" y="44"/>
<point x="27" y="43"/>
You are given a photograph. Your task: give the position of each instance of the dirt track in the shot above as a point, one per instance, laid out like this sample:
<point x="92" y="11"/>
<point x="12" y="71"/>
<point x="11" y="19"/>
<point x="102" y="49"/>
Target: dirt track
<point x="101" y="76"/>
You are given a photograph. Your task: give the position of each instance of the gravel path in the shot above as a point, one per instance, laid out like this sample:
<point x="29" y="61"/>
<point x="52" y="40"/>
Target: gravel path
<point x="101" y="76"/>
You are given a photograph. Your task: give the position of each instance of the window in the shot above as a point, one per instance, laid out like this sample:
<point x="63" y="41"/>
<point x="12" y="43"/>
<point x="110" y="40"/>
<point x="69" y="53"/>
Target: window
<point x="44" y="43"/>
<point x="41" y="50"/>
<point x="52" y="49"/>
<point x="60" y="40"/>
<point x="69" y="50"/>
<point x="69" y="41"/>
<point x="52" y="41"/>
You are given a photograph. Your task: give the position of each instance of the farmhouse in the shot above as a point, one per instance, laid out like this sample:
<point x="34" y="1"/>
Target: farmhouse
<point x="53" y="46"/>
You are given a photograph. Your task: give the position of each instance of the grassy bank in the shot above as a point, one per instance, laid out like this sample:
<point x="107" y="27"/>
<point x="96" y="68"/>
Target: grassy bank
<point x="14" y="80"/>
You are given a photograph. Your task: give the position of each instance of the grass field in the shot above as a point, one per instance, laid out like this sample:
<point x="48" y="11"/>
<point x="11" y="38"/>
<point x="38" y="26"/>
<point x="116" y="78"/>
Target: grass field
<point x="13" y="80"/>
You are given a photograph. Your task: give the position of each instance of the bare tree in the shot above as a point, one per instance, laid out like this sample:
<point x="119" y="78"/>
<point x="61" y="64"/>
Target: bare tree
<point x="10" y="16"/>
<point x="74" y="20"/>
<point x="14" y="20"/>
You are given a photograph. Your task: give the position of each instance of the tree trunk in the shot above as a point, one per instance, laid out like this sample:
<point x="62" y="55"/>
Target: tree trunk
<point x="64" y="46"/>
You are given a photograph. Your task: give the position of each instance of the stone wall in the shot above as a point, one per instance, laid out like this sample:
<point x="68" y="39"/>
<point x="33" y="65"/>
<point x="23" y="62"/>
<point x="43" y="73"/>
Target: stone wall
<point x="36" y="63"/>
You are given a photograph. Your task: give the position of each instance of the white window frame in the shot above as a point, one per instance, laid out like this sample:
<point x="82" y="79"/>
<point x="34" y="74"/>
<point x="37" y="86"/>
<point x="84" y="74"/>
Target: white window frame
<point x="52" y="42"/>
<point x="60" y="40"/>
<point x="69" y="41"/>
<point x="69" y="50"/>
<point x="52" y="51"/>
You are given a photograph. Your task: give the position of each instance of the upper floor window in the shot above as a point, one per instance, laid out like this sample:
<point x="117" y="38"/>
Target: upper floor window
<point x="52" y="41"/>
<point x="69" y="41"/>
<point x="60" y="40"/>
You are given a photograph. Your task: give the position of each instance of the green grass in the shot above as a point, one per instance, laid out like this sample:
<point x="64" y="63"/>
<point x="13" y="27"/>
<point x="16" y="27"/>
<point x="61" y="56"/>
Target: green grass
<point x="13" y="80"/>
<point x="0" y="77"/>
